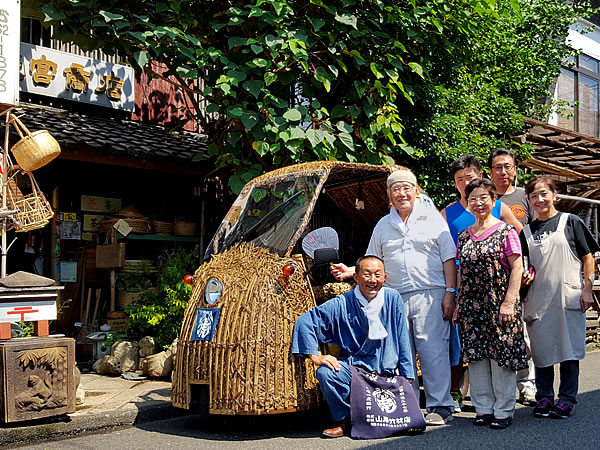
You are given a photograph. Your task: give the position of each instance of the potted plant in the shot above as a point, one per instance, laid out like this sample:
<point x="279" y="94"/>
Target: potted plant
<point x="135" y="283"/>
<point x="161" y="313"/>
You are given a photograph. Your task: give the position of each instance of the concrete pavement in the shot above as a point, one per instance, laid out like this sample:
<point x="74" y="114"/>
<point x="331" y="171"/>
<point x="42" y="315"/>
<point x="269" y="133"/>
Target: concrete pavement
<point x="114" y="403"/>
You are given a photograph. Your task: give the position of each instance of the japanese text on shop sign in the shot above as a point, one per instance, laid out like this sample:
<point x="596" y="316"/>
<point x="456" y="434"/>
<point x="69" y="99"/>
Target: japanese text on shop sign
<point x="58" y="74"/>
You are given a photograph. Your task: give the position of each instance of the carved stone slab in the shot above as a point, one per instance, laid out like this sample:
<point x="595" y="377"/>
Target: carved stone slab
<point x="36" y="378"/>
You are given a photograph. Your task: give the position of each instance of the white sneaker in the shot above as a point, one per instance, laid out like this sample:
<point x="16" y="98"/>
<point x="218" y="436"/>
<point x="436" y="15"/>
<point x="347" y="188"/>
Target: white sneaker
<point x="527" y="395"/>
<point x="439" y="417"/>
<point x="458" y="401"/>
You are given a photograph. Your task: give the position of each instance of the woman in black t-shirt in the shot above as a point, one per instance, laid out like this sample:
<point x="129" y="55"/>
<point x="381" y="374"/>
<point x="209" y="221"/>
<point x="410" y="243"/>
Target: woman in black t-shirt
<point x="560" y="247"/>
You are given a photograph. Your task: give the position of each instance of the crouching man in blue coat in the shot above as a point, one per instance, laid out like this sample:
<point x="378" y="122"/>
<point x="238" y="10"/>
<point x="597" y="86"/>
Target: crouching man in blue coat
<point x="369" y="325"/>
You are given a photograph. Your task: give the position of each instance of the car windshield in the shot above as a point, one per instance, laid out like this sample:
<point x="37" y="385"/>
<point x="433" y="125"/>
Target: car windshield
<point x="268" y="215"/>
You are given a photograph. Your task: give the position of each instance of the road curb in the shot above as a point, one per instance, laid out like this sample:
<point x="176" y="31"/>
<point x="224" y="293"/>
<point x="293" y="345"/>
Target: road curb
<point x="78" y="424"/>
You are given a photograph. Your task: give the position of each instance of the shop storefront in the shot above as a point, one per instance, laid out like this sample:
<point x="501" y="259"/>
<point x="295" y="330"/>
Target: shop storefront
<point x="152" y="182"/>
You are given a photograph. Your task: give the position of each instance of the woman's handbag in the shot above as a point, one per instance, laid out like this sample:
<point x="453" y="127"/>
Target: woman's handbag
<point x="382" y="406"/>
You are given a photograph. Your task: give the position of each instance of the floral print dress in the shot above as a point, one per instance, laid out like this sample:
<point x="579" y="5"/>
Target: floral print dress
<point x="484" y="282"/>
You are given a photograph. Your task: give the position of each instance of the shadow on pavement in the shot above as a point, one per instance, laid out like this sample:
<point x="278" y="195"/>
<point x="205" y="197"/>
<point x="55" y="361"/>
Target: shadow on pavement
<point x="579" y="431"/>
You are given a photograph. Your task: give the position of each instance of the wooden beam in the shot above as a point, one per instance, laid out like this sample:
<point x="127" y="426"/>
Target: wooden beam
<point x="573" y="182"/>
<point x="589" y="170"/>
<point x="535" y="163"/>
<point x="546" y="126"/>
<point x="186" y="168"/>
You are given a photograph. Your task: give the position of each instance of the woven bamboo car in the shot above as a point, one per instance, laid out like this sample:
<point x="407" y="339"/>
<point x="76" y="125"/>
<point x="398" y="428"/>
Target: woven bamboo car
<point x="237" y="331"/>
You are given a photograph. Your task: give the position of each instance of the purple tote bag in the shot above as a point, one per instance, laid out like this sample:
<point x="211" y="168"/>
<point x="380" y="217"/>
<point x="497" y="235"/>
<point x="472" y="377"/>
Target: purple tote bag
<point x="382" y="406"/>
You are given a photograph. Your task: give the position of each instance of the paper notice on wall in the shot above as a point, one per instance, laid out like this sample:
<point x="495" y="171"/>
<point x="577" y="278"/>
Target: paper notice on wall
<point x="122" y="227"/>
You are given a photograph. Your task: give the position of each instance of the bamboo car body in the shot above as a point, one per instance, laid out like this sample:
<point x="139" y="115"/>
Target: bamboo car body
<point x="239" y="344"/>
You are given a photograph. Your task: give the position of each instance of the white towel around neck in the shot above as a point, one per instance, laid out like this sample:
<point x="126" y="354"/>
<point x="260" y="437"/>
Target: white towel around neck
<point x="397" y="221"/>
<point x="371" y="310"/>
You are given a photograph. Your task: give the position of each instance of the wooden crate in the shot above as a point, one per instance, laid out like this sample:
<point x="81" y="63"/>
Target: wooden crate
<point x="36" y="378"/>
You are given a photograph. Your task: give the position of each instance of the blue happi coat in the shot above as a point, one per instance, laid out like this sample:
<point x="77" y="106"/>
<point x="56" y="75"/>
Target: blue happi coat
<point x="342" y="322"/>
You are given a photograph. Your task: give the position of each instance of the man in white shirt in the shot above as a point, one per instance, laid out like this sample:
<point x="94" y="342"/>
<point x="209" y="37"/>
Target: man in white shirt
<point x="419" y="254"/>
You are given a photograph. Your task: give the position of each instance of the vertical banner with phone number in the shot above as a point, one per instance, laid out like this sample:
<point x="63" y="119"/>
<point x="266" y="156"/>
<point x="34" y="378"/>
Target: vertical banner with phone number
<point x="10" y="37"/>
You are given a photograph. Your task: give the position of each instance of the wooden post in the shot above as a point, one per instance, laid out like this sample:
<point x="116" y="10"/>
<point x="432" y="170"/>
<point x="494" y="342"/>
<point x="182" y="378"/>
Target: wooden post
<point x="41" y="328"/>
<point x="88" y="303"/>
<point x="94" y="320"/>
<point x="3" y="168"/>
<point x="5" y="330"/>
<point x="113" y="289"/>
<point x="113" y="276"/>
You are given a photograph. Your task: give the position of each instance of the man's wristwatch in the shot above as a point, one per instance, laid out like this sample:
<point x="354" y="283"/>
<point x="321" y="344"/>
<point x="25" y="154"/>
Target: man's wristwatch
<point x="451" y="290"/>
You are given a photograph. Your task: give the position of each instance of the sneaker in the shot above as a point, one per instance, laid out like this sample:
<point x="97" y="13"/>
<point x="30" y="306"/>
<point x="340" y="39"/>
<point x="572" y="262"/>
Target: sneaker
<point x="439" y="416"/>
<point x="561" y="410"/>
<point x="527" y="395"/>
<point x="458" y="401"/>
<point x="543" y="408"/>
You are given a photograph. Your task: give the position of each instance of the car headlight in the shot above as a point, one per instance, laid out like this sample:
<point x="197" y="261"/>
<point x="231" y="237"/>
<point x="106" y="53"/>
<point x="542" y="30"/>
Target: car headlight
<point x="213" y="290"/>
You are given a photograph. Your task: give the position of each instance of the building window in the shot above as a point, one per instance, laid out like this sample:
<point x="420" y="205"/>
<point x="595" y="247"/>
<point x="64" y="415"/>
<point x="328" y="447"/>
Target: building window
<point x="579" y="85"/>
<point x="33" y="32"/>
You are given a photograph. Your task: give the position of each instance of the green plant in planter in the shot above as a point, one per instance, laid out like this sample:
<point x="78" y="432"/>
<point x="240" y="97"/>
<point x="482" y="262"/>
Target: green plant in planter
<point x="139" y="279"/>
<point x="161" y="313"/>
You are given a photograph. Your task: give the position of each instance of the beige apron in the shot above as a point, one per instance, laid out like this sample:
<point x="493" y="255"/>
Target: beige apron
<point x="552" y="309"/>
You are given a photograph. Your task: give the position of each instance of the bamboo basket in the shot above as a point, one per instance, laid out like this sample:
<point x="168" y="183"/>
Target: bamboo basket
<point x="184" y="228"/>
<point x="34" y="150"/>
<point x="33" y="210"/>
<point x="248" y="365"/>
<point x="137" y="225"/>
<point x="162" y="227"/>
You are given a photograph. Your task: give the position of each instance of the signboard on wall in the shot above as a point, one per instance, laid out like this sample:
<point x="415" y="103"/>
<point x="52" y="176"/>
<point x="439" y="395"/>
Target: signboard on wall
<point x="100" y="204"/>
<point x="10" y="37"/>
<point x="59" y="74"/>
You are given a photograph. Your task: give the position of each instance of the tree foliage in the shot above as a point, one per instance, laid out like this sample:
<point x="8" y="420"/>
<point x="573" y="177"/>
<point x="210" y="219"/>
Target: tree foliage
<point x="505" y="74"/>
<point x="375" y="81"/>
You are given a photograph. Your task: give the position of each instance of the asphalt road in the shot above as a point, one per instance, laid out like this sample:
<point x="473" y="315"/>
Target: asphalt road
<point x="302" y="430"/>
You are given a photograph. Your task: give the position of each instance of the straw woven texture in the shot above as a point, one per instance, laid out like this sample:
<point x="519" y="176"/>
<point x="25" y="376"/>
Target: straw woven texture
<point x="248" y="365"/>
<point x="160" y="227"/>
<point x="181" y="228"/>
<point x="317" y="165"/>
<point x="34" y="150"/>
<point x="33" y="210"/>
<point x="137" y="225"/>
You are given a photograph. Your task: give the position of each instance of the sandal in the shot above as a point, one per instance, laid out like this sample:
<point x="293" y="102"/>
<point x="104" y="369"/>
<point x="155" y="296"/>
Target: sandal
<point x="500" y="424"/>
<point x="483" y="420"/>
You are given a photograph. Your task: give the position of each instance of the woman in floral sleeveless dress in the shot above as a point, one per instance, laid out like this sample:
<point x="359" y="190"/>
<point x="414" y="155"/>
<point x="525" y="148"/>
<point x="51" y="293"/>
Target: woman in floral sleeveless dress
<point x="489" y="312"/>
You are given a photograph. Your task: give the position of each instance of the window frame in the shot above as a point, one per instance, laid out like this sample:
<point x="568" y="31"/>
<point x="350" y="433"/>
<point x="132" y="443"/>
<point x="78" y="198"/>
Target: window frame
<point x="577" y="71"/>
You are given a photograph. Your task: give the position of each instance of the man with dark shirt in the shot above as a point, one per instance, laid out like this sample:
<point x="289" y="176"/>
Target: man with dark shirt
<point x="503" y="170"/>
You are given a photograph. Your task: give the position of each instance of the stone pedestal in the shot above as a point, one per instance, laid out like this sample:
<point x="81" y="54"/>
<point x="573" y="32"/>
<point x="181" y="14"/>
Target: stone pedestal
<point x="36" y="378"/>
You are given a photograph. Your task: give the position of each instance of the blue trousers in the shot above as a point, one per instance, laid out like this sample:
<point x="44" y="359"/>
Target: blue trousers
<point x="569" y="382"/>
<point x="336" y="390"/>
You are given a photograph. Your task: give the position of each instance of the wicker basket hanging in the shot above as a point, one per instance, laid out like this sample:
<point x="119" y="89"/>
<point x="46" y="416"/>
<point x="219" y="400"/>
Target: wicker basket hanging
<point x="34" y="150"/>
<point x="33" y="210"/>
